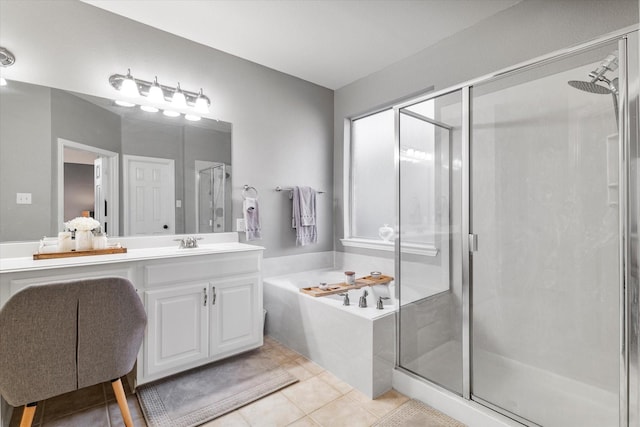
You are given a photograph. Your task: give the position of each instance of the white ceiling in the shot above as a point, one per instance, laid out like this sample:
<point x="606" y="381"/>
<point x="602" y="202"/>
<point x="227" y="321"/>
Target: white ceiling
<point x="328" y="42"/>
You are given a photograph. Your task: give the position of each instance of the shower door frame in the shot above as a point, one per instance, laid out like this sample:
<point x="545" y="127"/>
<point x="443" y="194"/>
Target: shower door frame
<point x="628" y="134"/>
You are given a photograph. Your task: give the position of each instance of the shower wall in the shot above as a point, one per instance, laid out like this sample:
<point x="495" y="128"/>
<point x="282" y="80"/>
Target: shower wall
<point x="547" y="163"/>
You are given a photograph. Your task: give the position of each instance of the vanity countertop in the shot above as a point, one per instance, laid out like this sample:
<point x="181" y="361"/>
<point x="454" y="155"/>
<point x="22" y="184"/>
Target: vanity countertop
<point x="27" y="263"/>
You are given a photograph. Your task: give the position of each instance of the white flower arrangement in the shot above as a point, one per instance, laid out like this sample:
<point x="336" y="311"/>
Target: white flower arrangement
<point x="82" y="224"/>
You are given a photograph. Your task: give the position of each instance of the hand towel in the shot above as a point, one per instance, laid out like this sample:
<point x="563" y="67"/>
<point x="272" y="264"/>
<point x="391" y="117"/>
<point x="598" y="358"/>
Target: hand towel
<point x="304" y="215"/>
<point x="251" y="218"/>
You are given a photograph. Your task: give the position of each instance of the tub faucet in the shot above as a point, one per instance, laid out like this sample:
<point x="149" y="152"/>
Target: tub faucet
<point x="380" y="304"/>
<point x="362" y="303"/>
<point x="346" y="298"/>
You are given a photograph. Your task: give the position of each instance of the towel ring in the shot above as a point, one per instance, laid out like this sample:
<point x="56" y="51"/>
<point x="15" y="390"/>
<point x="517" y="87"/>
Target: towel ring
<point x="246" y="189"/>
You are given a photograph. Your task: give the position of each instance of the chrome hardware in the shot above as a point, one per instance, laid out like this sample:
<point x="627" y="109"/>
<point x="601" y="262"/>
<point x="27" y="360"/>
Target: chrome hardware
<point x="189" y="242"/>
<point x="213" y="299"/>
<point x="473" y="243"/>
<point x="362" y="303"/>
<point x="346" y="298"/>
<point x="380" y="304"/>
<point x="205" y="297"/>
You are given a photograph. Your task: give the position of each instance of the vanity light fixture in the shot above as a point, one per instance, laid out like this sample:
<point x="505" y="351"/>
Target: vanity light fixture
<point x="202" y="103"/>
<point x="155" y="92"/>
<point x="6" y="60"/>
<point x="129" y="88"/>
<point x="195" y="104"/>
<point x="178" y="100"/>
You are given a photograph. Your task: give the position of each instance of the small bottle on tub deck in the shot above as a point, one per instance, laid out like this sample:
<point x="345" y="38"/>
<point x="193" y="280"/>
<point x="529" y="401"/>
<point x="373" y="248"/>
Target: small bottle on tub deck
<point x="350" y="277"/>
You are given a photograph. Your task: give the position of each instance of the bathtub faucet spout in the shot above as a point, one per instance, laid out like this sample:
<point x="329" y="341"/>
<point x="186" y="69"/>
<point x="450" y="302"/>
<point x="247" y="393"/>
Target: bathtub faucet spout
<point x="362" y="303"/>
<point x="346" y="298"/>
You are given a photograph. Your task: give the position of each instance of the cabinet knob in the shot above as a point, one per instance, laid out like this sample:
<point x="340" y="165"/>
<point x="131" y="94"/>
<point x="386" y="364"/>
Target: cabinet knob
<point x="165" y="226"/>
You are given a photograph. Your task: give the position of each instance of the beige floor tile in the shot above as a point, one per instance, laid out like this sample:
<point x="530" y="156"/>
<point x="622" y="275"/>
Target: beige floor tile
<point x="335" y="382"/>
<point x="311" y="394"/>
<point x="304" y="422"/>
<point x="74" y="401"/>
<point x="278" y="356"/>
<point x="296" y="370"/>
<point x="381" y="405"/>
<point x="343" y="412"/>
<point x="233" y="419"/>
<point x="309" y="365"/>
<point x="273" y="410"/>
<point x="134" y="409"/>
<point x="94" y="417"/>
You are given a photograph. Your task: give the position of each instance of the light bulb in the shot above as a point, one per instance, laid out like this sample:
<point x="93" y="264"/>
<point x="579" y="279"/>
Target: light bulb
<point x="179" y="100"/>
<point x="156" y="95"/>
<point x="202" y="104"/>
<point x="149" y="109"/>
<point x="170" y="113"/>
<point x="192" y="117"/>
<point x="129" y="87"/>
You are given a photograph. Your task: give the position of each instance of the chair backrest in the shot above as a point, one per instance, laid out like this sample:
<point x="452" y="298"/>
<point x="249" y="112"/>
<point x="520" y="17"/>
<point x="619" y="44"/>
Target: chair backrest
<point x="59" y="337"/>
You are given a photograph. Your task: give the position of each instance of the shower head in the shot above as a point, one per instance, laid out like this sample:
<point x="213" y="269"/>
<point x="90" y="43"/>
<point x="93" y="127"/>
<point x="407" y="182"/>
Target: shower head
<point x="590" y="87"/>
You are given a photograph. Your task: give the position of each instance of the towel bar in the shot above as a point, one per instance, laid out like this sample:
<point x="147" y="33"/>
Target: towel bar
<point x="278" y="188"/>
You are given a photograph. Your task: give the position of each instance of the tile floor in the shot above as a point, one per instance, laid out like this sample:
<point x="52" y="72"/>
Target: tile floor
<point x="318" y="399"/>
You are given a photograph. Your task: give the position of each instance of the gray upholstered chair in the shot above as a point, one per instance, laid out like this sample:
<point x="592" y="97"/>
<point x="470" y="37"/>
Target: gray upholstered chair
<point x="60" y="337"/>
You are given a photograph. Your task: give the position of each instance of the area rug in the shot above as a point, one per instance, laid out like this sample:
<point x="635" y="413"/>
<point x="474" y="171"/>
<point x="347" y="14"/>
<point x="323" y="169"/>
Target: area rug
<point x="202" y="394"/>
<point x="416" y="414"/>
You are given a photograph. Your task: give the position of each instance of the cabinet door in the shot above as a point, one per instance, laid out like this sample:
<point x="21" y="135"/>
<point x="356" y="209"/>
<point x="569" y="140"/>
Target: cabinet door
<point x="177" y="330"/>
<point x="236" y="311"/>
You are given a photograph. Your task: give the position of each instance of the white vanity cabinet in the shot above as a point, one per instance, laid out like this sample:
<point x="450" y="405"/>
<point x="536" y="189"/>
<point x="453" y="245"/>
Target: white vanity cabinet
<point x="203" y="304"/>
<point x="177" y="329"/>
<point x="199" y="311"/>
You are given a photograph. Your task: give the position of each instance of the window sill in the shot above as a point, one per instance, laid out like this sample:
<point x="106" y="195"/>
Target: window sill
<point x="381" y="245"/>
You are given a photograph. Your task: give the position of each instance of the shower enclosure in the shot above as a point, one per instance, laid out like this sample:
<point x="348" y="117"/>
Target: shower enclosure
<point x="212" y="199"/>
<point x="517" y="253"/>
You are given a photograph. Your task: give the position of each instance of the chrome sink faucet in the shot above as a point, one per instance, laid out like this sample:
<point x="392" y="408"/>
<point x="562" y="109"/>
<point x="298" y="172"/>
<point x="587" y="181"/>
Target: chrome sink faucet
<point x="188" y="242"/>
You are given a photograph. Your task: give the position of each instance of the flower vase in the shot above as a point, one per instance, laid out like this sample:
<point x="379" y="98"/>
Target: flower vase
<point x="84" y="240"/>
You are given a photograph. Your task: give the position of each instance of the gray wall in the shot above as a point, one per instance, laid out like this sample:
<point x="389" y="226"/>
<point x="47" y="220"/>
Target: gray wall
<point x="78" y="189"/>
<point x="529" y="29"/>
<point x="282" y="126"/>
<point x="77" y="120"/>
<point x="25" y="144"/>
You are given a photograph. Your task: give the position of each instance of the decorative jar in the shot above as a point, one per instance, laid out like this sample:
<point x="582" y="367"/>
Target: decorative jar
<point x="84" y="240"/>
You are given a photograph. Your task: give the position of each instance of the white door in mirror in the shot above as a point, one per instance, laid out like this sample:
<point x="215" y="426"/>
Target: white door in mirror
<point x="150" y="196"/>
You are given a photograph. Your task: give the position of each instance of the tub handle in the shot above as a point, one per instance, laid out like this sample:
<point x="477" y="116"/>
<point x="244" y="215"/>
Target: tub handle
<point x="346" y="298"/>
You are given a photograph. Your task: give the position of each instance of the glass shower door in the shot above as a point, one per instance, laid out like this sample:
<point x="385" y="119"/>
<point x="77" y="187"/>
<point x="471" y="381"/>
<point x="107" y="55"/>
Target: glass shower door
<point x="545" y="276"/>
<point x="430" y="312"/>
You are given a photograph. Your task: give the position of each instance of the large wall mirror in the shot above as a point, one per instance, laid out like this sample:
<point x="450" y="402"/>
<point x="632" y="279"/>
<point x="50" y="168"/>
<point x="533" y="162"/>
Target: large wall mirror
<point x="65" y="154"/>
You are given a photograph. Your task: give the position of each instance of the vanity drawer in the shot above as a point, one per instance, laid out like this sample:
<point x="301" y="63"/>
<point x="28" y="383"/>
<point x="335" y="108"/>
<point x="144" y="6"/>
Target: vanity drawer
<point x="201" y="267"/>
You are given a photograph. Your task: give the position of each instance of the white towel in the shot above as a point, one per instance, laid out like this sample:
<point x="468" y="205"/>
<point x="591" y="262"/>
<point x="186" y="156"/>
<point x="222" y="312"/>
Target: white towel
<point x="304" y="215"/>
<point x="251" y="218"/>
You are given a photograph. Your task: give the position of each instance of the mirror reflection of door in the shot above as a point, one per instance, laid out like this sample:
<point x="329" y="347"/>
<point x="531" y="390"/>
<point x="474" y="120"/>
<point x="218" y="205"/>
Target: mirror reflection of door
<point x="78" y="183"/>
<point x="149" y="195"/>
<point x="88" y="185"/>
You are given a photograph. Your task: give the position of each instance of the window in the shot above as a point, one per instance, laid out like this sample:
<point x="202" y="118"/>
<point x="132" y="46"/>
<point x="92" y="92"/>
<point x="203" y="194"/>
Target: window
<point x="373" y="180"/>
<point x="424" y="178"/>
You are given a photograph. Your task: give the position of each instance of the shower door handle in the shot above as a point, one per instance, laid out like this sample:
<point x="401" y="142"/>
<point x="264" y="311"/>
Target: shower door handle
<point x="473" y="243"/>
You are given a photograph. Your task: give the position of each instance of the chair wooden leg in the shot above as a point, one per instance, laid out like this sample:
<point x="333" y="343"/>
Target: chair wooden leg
<point x="122" y="402"/>
<point x="27" y="414"/>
